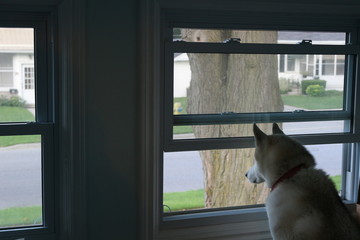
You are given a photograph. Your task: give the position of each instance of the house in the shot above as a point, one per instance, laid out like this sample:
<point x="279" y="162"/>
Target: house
<point x="296" y="68"/>
<point x="17" y="63"/>
<point x="292" y="68"/>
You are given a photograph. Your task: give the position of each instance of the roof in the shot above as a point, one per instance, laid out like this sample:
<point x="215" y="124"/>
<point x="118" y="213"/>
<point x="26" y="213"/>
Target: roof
<point x="16" y="40"/>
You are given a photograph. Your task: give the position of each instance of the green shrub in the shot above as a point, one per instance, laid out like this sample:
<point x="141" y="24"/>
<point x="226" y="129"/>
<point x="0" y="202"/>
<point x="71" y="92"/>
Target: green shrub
<point x="315" y="90"/>
<point x="13" y="101"/>
<point x="285" y="85"/>
<point x="306" y="83"/>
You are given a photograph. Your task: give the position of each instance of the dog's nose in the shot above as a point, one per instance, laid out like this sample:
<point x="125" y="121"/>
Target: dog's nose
<point x="246" y="174"/>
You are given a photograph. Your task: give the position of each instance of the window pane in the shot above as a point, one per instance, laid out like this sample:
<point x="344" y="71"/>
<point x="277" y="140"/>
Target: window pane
<point x="252" y="36"/>
<point x="245" y="130"/>
<point x="340" y="65"/>
<point x="17" y="75"/>
<point x="328" y="65"/>
<point x="21" y="181"/>
<point x="241" y="83"/>
<point x="291" y="61"/>
<point x="216" y="178"/>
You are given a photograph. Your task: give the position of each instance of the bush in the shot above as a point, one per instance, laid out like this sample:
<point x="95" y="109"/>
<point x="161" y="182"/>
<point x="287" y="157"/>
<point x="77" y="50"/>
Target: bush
<point x="306" y="83"/>
<point x="315" y="90"/>
<point x="285" y="85"/>
<point x="13" y="101"/>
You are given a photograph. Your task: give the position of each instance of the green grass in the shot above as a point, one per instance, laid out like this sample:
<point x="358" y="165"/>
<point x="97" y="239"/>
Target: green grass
<point x="180" y="201"/>
<point x="313" y="103"/>
<point x="20" y="216"/>
<point x="17" y="114"/>
<point x="6" y="141"/>
<point x="337" y="181"/>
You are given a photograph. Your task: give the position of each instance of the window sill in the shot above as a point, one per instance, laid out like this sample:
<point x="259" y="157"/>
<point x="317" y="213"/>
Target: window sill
<point x="251" y="223"/>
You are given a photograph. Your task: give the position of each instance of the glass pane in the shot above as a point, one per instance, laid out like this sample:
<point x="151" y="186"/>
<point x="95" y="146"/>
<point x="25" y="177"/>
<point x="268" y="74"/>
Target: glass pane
<point x="258" y="36"/>
<point x="240" y="83"/>
<point x="340" y="65"/>
<point x="216" y="178"/>
<point x="245" y="130"/>
<point x="328" y="64"/>
<point x="17" y="75"/>
<point x="21" y="181"/>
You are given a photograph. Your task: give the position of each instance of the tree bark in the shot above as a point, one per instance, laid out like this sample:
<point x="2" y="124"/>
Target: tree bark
<point x="237" y="83"/>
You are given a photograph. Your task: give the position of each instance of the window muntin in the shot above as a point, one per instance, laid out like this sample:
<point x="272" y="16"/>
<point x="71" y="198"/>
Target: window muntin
<point x="17" y="75"/>
<point x="184" y="181"/>
<point x="21" y="193"/>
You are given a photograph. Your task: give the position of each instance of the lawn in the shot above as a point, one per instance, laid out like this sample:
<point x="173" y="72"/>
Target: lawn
<point x="20" y="216"/>
<point x="16" y="114"/>
<point x="313" y="103"/>
<point x="194" y="199"/>
<point x="180" y="201"/>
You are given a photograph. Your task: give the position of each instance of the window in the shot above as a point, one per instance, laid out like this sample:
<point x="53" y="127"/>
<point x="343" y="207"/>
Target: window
<point x="231" y="85"/>
<point x="217" y="77"/>
<point x="29" y="78"/>
<point x="6" y="70"/>
<point x="27" y="127"/>
<point x="328" y="65"/>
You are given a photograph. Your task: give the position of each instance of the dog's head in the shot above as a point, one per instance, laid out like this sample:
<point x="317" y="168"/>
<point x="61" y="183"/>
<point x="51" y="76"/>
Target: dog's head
<point x="276" y="154"/>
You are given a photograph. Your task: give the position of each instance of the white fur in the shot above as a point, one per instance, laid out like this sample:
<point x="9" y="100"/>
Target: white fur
<point x="306" y="206"/>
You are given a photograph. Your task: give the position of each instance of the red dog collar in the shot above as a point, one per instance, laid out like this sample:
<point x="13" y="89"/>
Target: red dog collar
<point x="287" y="175"/>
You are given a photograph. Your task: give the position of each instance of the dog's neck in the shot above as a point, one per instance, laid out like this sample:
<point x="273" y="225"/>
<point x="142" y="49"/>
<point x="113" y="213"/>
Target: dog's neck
<point x="287" y="175"/>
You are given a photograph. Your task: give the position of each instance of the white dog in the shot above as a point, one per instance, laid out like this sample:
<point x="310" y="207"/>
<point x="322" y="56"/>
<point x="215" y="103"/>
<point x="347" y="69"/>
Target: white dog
<point x="303" y="202"/>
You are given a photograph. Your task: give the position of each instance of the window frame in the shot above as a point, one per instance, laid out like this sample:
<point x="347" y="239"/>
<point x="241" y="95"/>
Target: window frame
<point x="45" y="123"/>
<point x="224" y="223"/>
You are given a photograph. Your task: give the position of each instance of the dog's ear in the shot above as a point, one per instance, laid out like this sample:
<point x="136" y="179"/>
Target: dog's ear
<point x="260" y="136"/>
<point x="276" y="129"/>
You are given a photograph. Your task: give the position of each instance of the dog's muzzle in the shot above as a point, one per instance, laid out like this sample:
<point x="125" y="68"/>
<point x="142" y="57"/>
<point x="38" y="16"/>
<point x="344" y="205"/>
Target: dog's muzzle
<point x="253" y="175"/>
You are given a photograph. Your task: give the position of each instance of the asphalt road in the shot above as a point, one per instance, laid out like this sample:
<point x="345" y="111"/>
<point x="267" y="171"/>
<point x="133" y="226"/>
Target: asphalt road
<point x="183" y="170"/>
<point x="20" y="176"/>
<point x="20" y="166"/>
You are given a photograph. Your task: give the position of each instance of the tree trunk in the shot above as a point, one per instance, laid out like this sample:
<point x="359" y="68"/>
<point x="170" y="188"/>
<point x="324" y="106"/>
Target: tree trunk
<point x="237" y="83"/>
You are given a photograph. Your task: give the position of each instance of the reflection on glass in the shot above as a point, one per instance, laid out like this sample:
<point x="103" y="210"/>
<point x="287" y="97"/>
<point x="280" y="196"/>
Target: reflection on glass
<point x="17" y="75"/>
<point x="21" y="181"/>
<point x="186" y="177"/>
